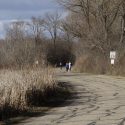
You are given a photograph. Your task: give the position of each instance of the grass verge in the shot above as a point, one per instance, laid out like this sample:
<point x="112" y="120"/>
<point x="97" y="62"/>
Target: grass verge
<point x="23" y="91"/>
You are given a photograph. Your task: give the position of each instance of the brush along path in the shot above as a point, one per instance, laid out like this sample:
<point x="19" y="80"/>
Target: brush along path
<point x="97" y="100"/>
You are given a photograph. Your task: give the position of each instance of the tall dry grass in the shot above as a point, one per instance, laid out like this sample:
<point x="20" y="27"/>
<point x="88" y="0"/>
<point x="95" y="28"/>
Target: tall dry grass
<point x="19" y="88"/>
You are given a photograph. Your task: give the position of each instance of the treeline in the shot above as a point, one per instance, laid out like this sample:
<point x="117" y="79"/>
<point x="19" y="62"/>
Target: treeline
<point x="40" y="40"/>
<point x="99" y="27"/>
<point x="91" y="29"/>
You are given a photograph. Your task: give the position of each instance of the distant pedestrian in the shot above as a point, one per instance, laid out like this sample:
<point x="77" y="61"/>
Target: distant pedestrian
<point x="70" y="66"/>
<point x="60" y="64"/>
<point x="67" y="67"/>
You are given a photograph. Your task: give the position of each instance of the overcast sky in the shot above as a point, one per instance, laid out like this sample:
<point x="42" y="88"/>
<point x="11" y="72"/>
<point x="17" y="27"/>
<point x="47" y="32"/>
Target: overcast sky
<point x="23" y="10"/>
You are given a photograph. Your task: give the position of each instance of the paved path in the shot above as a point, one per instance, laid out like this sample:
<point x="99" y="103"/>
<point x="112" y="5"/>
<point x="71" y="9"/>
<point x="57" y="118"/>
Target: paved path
<point x="100" y="100"/>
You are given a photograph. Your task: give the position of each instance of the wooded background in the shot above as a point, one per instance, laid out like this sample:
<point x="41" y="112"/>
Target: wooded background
<point x="85" y="36"/>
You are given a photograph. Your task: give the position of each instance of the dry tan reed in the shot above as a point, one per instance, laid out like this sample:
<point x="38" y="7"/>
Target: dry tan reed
<point x="15" y="84"/>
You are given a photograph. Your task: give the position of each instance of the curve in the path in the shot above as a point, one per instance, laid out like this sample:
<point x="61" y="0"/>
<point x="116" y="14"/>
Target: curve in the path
<point x="97" y="100"/>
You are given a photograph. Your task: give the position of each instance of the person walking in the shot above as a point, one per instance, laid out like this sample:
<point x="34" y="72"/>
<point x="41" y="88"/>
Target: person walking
<point x="60" y="64"/>
<point x="70" y="66"/>
<point x="67" y="67"/>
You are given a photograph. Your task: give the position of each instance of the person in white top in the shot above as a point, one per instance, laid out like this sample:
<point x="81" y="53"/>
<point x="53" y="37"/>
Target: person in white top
<point x="60" y="64"/>
<point x="70" y="65"/>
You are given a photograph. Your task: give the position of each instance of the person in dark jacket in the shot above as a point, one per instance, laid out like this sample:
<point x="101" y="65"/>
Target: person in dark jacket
<point x="67" y="67"/>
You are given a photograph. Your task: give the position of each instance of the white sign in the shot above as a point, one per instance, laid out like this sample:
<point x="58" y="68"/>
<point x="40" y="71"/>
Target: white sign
<point x="112" y="61"/>
<point x="112" y="54"/>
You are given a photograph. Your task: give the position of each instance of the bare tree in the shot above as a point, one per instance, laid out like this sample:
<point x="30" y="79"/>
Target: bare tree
<point x="122" y="21"/>
<point x="18" y="48"/>
<point x="36" y="29"/>
<point x="92" y="21"/>
<point x="52" y="24"/>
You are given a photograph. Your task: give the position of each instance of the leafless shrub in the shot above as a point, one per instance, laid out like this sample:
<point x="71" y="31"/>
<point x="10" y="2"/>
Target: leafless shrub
<point x="91" y="64"/>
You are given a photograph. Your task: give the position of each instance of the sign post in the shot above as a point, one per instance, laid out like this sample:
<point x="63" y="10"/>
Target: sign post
<point x="112" y="61"/>
<point x="112" y="57"/>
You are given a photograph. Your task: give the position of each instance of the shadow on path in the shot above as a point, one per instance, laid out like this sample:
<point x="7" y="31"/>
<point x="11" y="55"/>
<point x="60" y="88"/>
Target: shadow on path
<point x="60" y="98"/>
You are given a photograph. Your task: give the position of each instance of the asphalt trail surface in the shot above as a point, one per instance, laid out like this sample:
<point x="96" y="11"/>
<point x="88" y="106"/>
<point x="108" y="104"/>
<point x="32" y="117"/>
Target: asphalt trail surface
<point x="96" y="100"/>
